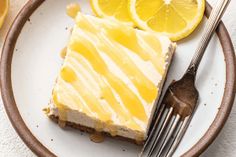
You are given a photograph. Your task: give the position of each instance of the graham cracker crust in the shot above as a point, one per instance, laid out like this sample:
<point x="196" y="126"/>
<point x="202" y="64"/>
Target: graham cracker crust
<point x="91" y="130"/>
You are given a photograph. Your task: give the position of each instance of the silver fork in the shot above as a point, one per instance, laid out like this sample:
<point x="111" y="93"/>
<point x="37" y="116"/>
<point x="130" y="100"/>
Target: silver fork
<point x="175" y="112"/>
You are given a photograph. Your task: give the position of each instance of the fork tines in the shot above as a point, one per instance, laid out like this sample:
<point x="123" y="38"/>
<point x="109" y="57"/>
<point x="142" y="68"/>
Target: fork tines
<point x="172" y="118"/>
<point x="166" y="133"/>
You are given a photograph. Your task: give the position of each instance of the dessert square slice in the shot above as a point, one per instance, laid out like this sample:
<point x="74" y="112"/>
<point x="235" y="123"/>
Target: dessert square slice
<point x="111" y="78"/>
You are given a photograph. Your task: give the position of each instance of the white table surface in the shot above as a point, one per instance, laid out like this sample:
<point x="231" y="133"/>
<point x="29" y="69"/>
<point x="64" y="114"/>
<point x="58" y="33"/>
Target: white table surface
<point x="12" y="146"/>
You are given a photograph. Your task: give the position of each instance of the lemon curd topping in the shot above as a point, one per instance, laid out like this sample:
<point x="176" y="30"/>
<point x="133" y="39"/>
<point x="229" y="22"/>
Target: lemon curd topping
<point x="72" y="9"/>
<point x="112" y="73"/>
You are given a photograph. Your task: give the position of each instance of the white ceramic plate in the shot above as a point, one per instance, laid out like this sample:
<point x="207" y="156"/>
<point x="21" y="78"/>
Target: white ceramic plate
<point x="36" y="63"/>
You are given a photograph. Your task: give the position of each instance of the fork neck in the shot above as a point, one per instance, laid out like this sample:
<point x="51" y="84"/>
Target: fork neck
<point x="192" y="71"/>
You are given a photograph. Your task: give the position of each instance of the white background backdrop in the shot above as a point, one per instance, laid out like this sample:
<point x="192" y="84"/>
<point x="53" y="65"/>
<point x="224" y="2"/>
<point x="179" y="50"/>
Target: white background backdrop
<point x="224" y="146"/>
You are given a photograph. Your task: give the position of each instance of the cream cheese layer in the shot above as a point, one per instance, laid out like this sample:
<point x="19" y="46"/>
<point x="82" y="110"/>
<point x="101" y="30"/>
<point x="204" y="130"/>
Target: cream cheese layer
<point x="112" y="72"/>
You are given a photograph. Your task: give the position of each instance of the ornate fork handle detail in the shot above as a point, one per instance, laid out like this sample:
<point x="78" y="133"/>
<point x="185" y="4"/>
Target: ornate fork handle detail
<point x="211" y="26"/>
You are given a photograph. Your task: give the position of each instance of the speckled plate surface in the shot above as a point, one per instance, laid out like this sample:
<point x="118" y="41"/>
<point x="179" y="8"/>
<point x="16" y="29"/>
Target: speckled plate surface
<point x="30" y="63"/>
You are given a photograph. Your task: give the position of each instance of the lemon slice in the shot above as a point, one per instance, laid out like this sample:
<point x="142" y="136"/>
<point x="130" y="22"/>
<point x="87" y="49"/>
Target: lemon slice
<point x="117" y="9"/>
<point x="3" y="10"/>
<point x="174" y="18"/>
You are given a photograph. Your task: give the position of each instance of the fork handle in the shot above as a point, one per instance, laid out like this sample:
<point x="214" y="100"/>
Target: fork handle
<point x="209" y="30"/>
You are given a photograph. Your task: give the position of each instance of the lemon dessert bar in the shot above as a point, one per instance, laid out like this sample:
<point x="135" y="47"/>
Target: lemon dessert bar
<point x="111" y="77"/>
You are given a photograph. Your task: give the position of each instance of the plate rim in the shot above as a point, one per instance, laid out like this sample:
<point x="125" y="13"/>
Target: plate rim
<point x="39" y="149"/>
